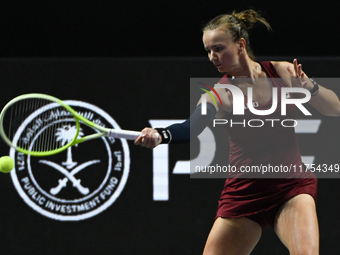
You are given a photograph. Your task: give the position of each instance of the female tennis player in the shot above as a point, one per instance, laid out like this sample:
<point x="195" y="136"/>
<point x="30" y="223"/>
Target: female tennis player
<point x="247" y="205"/>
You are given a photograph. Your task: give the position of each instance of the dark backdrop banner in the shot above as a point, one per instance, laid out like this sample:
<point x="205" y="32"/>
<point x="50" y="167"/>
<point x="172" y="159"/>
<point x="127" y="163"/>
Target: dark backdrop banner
<point x="133" y="28"/>
<point x="146" y="205"/>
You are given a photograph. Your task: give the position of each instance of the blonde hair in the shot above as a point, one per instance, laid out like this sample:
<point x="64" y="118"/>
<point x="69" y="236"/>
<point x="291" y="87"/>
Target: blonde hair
<point x="238" y="24"/>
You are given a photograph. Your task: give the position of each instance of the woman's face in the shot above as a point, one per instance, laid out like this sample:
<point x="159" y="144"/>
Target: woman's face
<point x="222" y="51"/>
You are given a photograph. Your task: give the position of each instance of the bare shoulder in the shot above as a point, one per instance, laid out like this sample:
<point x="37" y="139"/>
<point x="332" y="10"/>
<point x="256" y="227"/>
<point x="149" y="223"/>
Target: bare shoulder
<point x="281" y="68"/>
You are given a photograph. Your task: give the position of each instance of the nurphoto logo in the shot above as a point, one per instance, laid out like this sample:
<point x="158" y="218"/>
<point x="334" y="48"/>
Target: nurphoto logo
<point x="239" y="104"/>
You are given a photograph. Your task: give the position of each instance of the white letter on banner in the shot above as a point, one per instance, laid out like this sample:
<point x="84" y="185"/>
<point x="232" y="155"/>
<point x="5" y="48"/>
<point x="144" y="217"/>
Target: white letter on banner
<point x="161" y="160"/>
<point x="161" y="164"/>
<point x="205" y="156"/>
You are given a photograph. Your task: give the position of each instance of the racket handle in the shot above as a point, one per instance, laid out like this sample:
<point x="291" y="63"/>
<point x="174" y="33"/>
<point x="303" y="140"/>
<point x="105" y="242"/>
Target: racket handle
<point x="127" y="134"/>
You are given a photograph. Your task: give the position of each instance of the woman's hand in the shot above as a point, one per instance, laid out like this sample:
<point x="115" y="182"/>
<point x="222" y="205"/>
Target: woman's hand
<point x="149" y="138"/>
<point x="298" y="77"/>
<point x="326" y="101"/>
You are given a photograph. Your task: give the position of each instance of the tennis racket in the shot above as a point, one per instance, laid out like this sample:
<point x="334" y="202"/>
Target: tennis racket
<point x="42" y="125"/>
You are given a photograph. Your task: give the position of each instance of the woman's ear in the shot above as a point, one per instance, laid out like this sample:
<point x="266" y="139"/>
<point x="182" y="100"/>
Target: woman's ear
<point x="242" y="44"/>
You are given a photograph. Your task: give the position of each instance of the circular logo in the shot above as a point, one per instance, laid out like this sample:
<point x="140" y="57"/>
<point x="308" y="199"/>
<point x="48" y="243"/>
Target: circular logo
<point x="79" y="182"/>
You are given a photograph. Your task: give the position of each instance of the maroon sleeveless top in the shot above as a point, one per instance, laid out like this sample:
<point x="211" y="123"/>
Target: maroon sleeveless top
<point x="266" y="145"/>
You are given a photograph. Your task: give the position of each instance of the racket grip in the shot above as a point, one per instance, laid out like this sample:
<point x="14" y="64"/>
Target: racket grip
<point x="126" y="134"/>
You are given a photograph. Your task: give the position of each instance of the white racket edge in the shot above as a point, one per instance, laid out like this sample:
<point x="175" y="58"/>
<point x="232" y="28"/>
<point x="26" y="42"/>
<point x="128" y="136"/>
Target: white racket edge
<point x="128" y="134"/>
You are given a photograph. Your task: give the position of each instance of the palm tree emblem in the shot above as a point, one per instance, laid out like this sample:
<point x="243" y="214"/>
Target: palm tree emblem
<point x="66" y="134"/>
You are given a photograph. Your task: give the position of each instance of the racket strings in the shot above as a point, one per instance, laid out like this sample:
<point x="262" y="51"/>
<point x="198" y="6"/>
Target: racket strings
<point x="38" y="125"/>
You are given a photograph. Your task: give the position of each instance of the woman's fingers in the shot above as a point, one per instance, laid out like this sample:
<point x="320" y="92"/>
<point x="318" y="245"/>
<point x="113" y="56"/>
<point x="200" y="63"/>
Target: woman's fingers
<point x="149" y="138"/>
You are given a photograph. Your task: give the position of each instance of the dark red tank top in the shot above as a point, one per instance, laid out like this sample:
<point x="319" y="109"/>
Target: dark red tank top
<point x="273" y="144"/>
<point x="265" y="145"/>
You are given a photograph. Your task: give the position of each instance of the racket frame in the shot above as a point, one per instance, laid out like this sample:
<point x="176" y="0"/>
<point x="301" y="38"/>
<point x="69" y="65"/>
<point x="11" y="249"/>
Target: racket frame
<point x="77" y="117"/>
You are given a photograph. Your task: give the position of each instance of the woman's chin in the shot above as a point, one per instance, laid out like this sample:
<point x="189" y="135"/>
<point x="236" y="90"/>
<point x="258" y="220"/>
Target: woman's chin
<point x="220" y="69"/>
